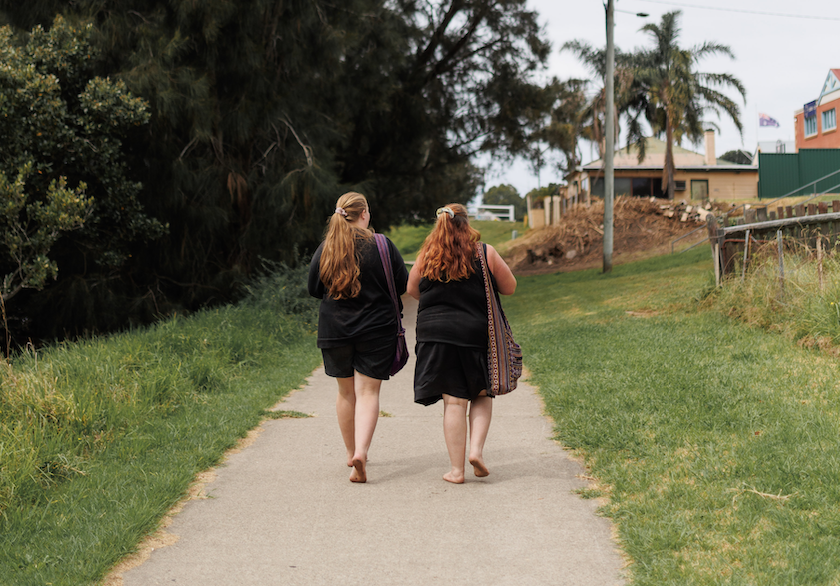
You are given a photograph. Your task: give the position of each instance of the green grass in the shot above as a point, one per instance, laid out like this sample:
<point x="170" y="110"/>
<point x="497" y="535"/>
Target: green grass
<point x="409" y="239"/>
<point x="98" y="439"/>
<point x="714" y="442"/>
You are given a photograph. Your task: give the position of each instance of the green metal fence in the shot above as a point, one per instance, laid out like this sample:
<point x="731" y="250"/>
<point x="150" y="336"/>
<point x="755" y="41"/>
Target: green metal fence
<point x="797" y="174"/>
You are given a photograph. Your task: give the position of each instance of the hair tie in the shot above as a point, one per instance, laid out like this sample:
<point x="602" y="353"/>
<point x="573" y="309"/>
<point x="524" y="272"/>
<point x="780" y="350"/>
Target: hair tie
<point x="445" y="211"/>
<point x="341" y="211"/>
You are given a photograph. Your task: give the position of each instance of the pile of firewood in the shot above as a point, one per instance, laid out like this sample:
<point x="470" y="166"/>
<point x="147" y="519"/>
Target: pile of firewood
<point x="684" y="211"/>
<point x="639" y="223"/>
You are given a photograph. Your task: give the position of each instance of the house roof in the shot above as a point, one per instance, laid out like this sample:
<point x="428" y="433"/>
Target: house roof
<point x="832" y="83"/>
<point x="627" y="158"/>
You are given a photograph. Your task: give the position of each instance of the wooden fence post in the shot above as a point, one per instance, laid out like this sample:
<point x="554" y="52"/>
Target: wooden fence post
<point x="781" y="266"/>
<point x="820" y="260"/>
<point x="746" y="255"/>
<point x="714" y="240"/>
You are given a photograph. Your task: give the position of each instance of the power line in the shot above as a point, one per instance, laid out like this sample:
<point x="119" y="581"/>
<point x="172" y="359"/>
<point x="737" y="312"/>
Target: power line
<point x="759" y="12"/>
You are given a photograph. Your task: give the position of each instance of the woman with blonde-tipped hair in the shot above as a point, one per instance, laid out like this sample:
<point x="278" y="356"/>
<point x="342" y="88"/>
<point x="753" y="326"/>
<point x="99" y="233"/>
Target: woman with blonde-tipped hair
<point x="451" y="349"/>
<point x="357" y="321"/>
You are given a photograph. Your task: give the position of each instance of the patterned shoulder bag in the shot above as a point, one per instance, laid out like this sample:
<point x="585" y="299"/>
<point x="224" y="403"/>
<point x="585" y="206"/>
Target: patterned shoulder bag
<point x="504" y="356"/>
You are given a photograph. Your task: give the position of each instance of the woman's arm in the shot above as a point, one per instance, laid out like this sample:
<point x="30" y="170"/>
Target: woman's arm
<point x="314" y="285"/>
<point x="414" y="277"/>
<point x="398" y="265"/>
<point x="505" y="281"/>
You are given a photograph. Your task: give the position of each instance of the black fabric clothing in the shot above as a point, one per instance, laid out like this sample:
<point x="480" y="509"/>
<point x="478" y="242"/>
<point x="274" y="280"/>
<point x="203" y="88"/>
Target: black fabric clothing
<point x="458" y="371"/>
<point x="370" y="315"/>
<point x="451" y="350"/>
<point x="371" y="358"/>
<point x="454" y="312"/>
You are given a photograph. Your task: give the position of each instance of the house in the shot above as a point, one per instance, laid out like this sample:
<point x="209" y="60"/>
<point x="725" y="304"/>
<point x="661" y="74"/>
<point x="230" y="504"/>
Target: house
<point x="698" y="177"/>
<point x="816" y="122"/>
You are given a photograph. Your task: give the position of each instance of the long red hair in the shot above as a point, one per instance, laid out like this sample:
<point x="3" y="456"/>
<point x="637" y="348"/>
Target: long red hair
<point x="450" y="248"/>
<point x="339" y="265"/>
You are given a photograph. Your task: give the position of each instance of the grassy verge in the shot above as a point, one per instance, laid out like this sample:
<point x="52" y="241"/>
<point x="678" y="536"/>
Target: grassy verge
<point x="99" y="439"/>
<point x="715" y="442"/>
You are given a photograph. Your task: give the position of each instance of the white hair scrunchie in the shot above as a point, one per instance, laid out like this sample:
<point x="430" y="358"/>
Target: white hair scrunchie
<point x="341" y="211"/>
<point x="445" y="211"/>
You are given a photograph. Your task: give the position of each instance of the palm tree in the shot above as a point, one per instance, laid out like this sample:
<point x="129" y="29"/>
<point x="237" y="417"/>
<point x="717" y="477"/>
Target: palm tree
<point x="673" y="96"/>
<point x="592" y="115"/>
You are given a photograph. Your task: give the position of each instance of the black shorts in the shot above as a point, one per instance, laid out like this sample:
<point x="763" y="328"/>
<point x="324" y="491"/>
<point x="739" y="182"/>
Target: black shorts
<point x="371" y="358"/>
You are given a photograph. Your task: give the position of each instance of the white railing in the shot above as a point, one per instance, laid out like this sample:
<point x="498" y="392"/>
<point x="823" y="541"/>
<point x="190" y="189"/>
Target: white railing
<point x="505" y="211"/>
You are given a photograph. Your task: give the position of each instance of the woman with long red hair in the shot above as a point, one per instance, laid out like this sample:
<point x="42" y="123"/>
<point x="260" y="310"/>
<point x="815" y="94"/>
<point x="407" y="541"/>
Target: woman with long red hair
<point x="452" y="340"/>
<point x="357" y="321"/>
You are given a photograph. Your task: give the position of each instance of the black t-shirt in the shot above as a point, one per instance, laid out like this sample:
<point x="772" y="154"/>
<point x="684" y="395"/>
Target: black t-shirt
<point x="371" y="314"/>
<point x="454" y="312"/>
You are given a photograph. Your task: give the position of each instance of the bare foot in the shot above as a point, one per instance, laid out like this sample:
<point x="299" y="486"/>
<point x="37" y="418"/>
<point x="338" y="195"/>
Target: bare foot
<point x="454" y="477"/>
<point x="479" y="469"/>
<point x="350" y="461"/>
<point x="358" y="474"/>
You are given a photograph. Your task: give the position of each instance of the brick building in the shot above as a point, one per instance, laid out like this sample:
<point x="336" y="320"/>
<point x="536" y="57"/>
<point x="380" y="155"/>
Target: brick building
<point x="816" y="121"/>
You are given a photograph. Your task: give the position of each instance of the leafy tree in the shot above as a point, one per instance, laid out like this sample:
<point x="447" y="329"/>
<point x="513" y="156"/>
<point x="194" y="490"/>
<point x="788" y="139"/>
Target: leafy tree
<point x="673" y="96"/>
<point x="31" y="228"/>
<point x="506" y="194"/>
<point x="263" y="112"/>
<point x="542" y="192"/>
<point x="738" y="157"/>
<point x="590" y="120"/>
<point x="62" y="125"/>
<point x="566" y="123"/>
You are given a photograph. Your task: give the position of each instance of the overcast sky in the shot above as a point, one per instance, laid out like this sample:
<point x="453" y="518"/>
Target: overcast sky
<point x="783" y="52"/>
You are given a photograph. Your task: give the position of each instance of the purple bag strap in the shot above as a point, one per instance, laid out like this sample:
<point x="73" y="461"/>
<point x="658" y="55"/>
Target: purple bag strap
<point x="385" y="257"/>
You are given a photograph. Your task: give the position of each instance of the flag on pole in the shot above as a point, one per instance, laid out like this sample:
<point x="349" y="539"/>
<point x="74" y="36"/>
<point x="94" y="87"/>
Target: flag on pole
<point x="765" y="120"/>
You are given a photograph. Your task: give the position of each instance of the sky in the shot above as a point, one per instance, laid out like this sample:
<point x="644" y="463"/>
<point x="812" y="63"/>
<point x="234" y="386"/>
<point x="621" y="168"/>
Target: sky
<point x="783" y="52"/>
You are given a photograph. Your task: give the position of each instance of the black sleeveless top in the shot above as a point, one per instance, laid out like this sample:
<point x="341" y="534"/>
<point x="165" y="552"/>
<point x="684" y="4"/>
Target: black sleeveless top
<point x="369" y="316"/>
<point x="454" y="312"/>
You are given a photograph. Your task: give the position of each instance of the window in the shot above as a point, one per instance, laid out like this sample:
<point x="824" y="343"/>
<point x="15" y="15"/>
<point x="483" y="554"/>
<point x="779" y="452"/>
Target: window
<point x="679" y="185"/>
<point x="699" y="189"/>
<point x="829" y="120"/>
<point x="811" y="126"/>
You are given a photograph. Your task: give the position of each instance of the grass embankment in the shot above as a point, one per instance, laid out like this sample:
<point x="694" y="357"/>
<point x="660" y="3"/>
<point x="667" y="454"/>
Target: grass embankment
<point x="715" y="442"/>
<point x="98" y="439"/>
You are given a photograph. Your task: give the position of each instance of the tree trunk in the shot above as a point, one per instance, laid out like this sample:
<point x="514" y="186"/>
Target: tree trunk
<point x="668" y="183"/>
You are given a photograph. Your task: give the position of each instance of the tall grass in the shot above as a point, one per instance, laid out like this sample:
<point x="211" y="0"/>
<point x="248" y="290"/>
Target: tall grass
<point x="798" y="306"/>
<point x="100" y="437"/>
<point x="714" y="442"/>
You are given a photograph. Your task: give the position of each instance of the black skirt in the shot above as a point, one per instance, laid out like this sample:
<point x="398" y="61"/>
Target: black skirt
<point x="447" y="369"/>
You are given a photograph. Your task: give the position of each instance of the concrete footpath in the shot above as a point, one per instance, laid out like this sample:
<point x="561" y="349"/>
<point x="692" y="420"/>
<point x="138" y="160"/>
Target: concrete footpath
<point x="282" y="511"/>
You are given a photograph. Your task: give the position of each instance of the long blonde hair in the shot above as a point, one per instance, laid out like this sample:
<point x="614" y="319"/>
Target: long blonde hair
<point x="339" y="260"/>
<point x="449" y="250"/>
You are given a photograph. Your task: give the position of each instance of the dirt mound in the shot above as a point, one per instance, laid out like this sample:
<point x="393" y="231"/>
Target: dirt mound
<point x="639" y="226"/>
